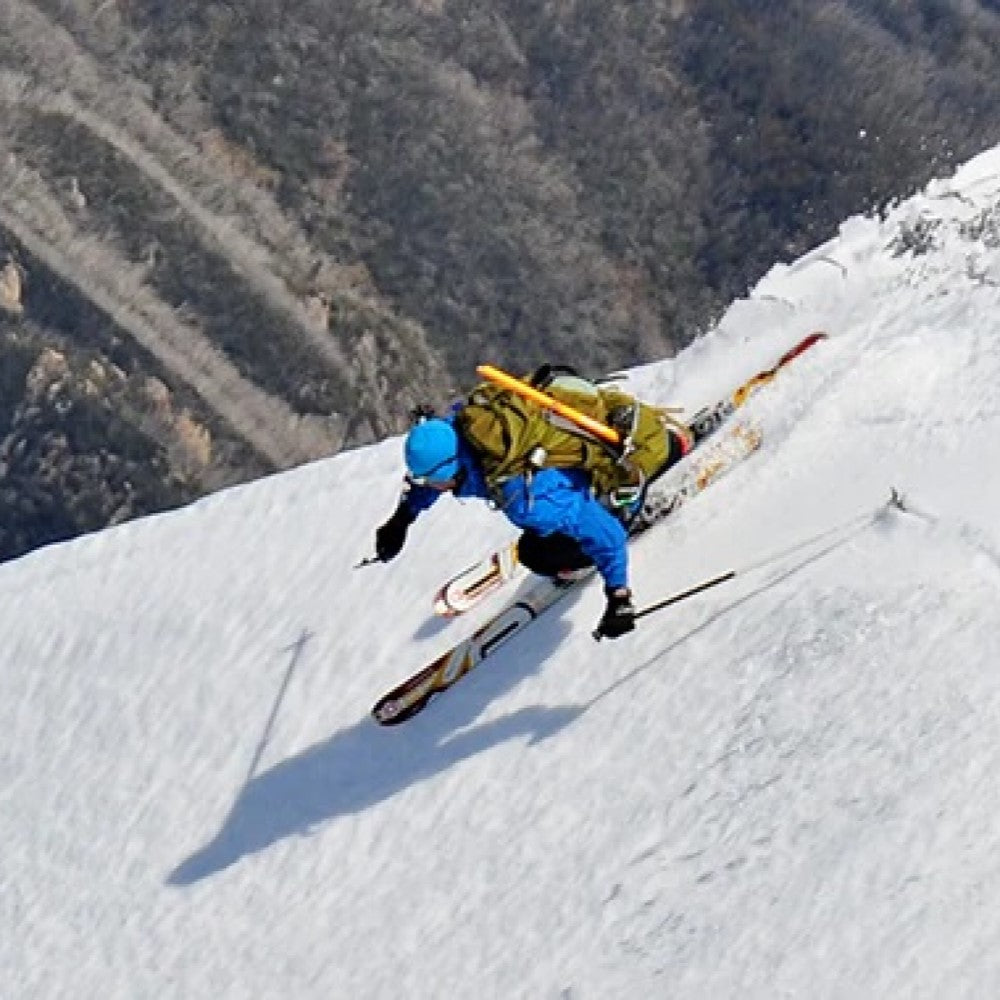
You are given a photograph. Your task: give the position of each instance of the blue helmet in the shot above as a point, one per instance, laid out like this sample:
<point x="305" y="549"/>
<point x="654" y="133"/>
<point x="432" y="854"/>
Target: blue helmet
<point x="432" y="451"/>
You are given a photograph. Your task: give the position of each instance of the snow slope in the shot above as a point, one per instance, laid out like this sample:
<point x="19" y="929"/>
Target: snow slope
<point x="785" y="787"/>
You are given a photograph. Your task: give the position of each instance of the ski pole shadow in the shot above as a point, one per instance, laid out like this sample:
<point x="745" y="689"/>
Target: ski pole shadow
<point x="363" y="765"/>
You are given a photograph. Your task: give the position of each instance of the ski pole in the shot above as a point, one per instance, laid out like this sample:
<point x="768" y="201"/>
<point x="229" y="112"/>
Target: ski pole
<point x="685" y="594"/>
<point x="846" y="529"/>
<point x="675" y="599"/>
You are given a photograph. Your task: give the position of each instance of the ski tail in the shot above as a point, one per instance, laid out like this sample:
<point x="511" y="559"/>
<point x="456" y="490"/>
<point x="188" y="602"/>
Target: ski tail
<point x="476" y="582"/>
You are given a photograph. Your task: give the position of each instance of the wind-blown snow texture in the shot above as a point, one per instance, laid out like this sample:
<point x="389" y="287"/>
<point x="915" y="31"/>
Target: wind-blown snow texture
<point x="784" y="787"/>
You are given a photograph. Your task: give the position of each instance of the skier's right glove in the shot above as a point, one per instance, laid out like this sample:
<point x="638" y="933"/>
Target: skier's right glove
<point x="619" y="615"/>
<point x="390" y="538"/>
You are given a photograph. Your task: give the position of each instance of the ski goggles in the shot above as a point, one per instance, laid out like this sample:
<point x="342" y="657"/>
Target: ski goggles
<point x="434" y="474"/>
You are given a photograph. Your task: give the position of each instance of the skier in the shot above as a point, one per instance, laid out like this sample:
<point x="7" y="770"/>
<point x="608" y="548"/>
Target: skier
<point x="565" y="528"/>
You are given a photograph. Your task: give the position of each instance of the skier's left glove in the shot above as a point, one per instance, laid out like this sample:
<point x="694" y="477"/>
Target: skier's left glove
<point x="391" y="536"/>
<point x="619" y="615"/>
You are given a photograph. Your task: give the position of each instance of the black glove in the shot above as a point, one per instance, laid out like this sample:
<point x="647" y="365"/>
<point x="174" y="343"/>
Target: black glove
<point x="390" y="538"/>
<point x="619" y="615"/>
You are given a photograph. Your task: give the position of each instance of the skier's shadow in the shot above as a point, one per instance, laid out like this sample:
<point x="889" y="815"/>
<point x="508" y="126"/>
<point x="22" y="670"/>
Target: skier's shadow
<point x="358" y="767"/>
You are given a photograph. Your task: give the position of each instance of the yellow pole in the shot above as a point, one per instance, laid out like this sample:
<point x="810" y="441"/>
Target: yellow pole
<point x="595" y="427"/>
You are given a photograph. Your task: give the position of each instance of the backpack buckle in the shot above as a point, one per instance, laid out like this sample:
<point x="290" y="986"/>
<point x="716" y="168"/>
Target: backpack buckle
<point x="537" y="456"/>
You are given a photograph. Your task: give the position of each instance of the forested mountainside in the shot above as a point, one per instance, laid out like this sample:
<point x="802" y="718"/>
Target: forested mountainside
<point x="238" y="236"/>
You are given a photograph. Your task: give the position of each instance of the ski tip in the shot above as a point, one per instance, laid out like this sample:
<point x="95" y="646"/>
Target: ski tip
<point x="802" y="346"/>
<point x="392" y="711"/>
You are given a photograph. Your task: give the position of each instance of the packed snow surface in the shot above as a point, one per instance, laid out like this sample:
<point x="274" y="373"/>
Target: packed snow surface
<point x="785" y="787"/>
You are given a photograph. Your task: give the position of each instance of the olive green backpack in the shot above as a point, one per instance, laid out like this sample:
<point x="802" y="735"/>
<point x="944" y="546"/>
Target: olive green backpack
<point x="513" y="436"/>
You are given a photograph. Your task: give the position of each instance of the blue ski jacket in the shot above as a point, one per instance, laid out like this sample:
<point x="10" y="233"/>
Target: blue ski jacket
<point x="550" y="500"/>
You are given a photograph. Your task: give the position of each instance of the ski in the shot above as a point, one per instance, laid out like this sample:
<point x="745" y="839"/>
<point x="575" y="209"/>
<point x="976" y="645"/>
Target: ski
<point x="473" y="584"/>
<point x="410" y="697"/>
<point x="666" y="497"/>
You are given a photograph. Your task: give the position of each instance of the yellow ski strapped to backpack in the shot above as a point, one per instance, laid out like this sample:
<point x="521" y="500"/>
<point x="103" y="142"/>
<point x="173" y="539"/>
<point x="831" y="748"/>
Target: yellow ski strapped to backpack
<point x="582" y="421"/>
